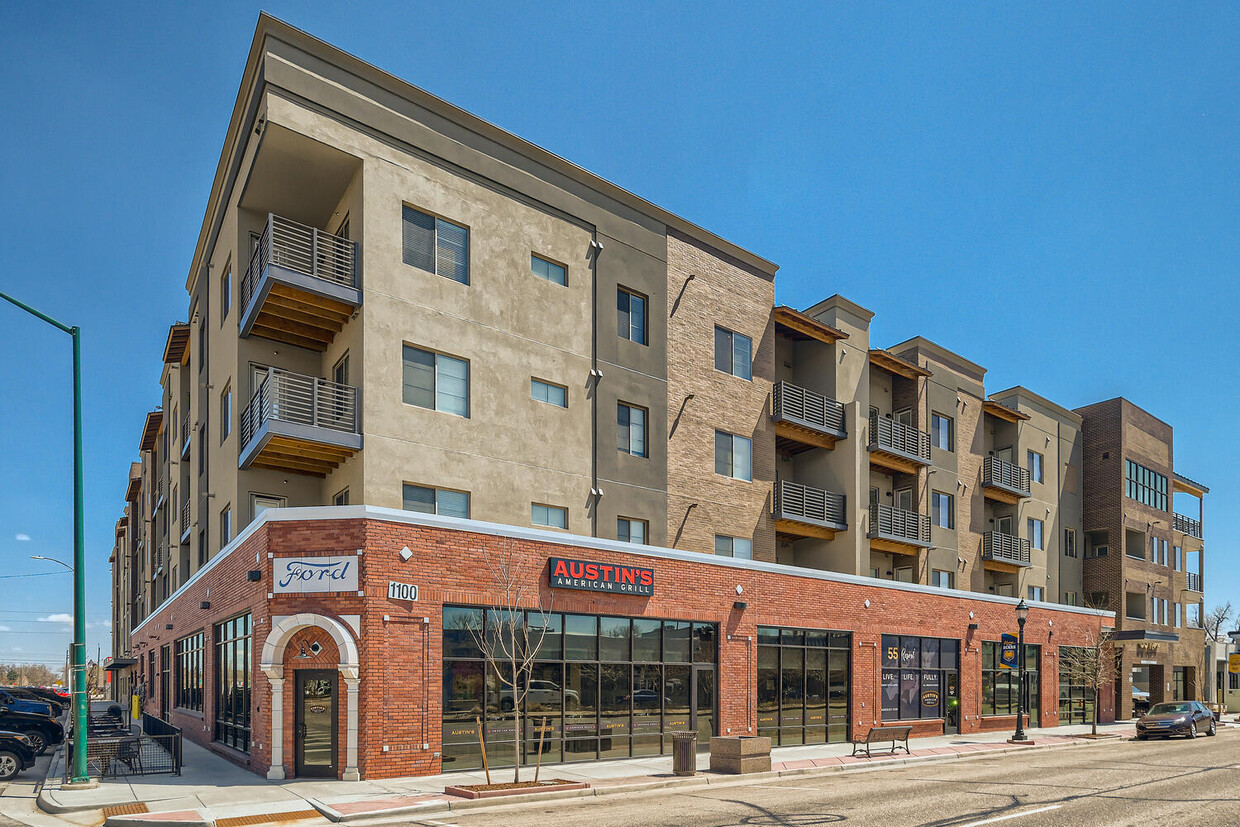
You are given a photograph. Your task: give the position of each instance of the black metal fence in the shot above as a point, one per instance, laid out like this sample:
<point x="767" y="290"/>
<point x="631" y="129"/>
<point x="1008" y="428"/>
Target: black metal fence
<point x="114" y="751"/>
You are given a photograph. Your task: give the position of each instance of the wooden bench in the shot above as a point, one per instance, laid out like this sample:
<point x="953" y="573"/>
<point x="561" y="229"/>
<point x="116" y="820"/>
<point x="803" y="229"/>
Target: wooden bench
<point x="883" y="735"/>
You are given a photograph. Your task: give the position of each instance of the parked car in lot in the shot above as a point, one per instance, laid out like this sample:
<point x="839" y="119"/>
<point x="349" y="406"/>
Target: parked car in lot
<point x="42" y="731"/>
<point x="1187" y="718"/>
<point x="21" y="704"/>
<point x="16" y="754"/>
<point x="25" y="693"/>
<point x="49" y="693"/>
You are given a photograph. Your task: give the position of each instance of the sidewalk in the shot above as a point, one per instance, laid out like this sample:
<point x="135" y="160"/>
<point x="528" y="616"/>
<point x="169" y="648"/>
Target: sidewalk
<point x="214" y="791"/>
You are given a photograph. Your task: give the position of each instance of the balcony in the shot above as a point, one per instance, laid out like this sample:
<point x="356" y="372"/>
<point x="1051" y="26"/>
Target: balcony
<point x="898" y="531"/>
<point x="185" y="435"/>
<point x="186" y="525"/>
<point x="1004" y="481"/>
<point x="805" y="511"/>
<point x="301" y="286"/>
<point x="1004" y="552"/>
<point x="804" y="419"/>
<point x="897" y="447"/>
<point x="1194" y="581"/>
<point x="299" y="423"/>
<point x="1186" y="525"/>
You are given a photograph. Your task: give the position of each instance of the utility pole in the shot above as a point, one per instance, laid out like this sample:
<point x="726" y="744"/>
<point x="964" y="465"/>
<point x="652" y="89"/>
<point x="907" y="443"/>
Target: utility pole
<point x="78" y="773"/>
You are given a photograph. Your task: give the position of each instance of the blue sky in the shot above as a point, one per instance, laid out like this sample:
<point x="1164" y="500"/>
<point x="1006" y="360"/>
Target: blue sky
<point x="1049" y="189"/>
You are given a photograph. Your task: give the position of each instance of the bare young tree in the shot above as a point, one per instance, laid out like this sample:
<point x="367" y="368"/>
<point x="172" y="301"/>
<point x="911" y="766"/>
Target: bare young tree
<point x="1091" y="666"/>
<point x="1215" y="622"/>
<point x="507" y="637"/>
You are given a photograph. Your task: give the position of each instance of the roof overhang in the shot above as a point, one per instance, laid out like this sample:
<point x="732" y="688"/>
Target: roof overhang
<point x="802" y="327"/>
<point x="1003" y="411"/>
<point x="1184" y="485"/>
<point x="120" y="663"/>
<point x="891" y="363"/>
<point x="1146" y="634"/>
<point x="176" y="348"/>
<point x="150" y="430"/>
<point x="135" y="483"/>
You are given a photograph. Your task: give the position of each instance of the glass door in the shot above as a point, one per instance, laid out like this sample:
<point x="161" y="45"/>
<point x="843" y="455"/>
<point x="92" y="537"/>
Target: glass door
<point x="315" y="725"/>
<point x="703" y="710"/>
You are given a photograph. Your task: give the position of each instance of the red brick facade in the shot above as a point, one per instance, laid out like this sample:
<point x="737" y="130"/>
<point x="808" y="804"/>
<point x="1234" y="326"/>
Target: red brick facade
<point x="400" y="641"/>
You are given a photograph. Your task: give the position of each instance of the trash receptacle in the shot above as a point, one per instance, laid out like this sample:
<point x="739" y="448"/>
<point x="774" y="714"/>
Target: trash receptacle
<point x="684" y="753"/>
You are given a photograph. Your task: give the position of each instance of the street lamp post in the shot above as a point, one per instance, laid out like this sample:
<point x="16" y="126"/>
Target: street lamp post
<point x="1022" y="614"/>
<point x="78" y="773"/>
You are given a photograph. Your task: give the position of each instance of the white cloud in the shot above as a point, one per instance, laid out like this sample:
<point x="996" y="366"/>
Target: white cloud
<point x="23" y="538"/>
<point x="5" y="629"/>
<point x="102" y="624"/>
<point x="61" y="617"/>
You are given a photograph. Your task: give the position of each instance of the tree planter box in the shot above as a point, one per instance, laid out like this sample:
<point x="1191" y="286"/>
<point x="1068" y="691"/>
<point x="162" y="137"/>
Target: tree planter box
<point x="740" y="754"/>
<point x="524" y="788"/>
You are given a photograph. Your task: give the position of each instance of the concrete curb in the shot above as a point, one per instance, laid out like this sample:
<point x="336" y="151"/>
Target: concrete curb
<point x="154" y="819"/>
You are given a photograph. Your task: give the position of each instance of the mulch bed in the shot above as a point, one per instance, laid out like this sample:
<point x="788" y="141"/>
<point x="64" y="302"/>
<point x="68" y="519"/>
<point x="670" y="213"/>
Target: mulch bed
<point x="494" y="790"/>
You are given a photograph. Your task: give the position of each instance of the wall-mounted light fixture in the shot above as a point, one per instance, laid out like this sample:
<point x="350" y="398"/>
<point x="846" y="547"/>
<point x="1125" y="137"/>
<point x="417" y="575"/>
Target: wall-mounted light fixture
<point x="206" y="604"/>
<point x="254" y="575"/>
<point x="741" y="605"/>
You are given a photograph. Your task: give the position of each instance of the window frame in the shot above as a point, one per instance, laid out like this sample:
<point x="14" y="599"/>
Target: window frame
<point x="435" y="380"/>
<point x="627" y="409"/>
<point x="1069" y="543"/>
<point x="632" y="521"/>
<point x="731" y="455"/>
<point x="563" y="389"/>
<point x="257" y="495"/>
<point x="548" y="510"/>
<point x="1030" y="522"/>
<point x="226" y="525"/>
<point x="226" y="407"/>
<point x="626" y="314"/>
<point x="731" y="549"/>
<point x="937" y="421"/>
<point x="435" y="232"/>
<point x="1035" y="460"/>
<point x="936" y="510"/>
<point x="563" y="268"/>
<point x="731" y="338"/>
<point x="189" y="667"/>
<point x="469" y="505"/>
<point x="225" y="293"/>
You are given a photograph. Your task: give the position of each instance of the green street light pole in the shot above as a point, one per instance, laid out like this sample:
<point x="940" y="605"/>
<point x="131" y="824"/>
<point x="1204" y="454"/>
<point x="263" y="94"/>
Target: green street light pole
<point x="78" y="773"/>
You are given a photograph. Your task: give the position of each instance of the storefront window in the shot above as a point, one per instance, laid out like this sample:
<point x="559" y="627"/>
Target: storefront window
<point x="918" y="677"/>
<point x="232" y="683"/>
<point x="803" y="680"/>
<point x="1076" y="702"/>
<point x="601" y="687"/>
<point x="999" y="684"/>
<point x="189" y="672"/>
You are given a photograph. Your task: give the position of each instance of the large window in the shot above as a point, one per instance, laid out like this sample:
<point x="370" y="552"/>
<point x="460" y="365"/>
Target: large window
<point x="733" y="353"/>
<point x="920" y="676"/>
<point x="999" y="684"/>
<point x="741" y="547"/>
<point x="944" y="511"/>
<point x="1076" y="702"/>
<point x="435" y="501"/>
<point x="233" y="656"/>
<point x="733" y="456"/>
<point x="435" y="381"/>
<point x="631" y="429"/>
<point x="803" y="680"/>
<point x="941" y="431"/>
<point x="631" y="315"/>
<point x="1146" y="486"/>
<point x="189" y="672"/>
<point x="606" y="687"/>
<point x="435" y="245"/>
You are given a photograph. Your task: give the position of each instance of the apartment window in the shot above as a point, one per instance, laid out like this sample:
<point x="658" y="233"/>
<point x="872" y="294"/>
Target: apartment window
<point x="1100" y="601"/>
<point x="436" y="501"/>
<point x="1033" y="532"/>
<point x="551" y="516"/>
<point x="435" y="245"/>
<point x="1134" y="605"/>
<point x="943" y="510"/>
<point x="261" y="502"/>
<point x="435" y="381"/>
<point x="189" y="672"/>
<point x="226" y="412"/>
<point x="541" y="391"/>
<point x="733" y="456"/>
<point x="1193" y="615"/>
<point x="225" y="294"/>
<point x="629" y="530"/>
<point x="1134" y="545"/>
<point x="1096" y="551"/>
<point x="631" y="308"/>
<point x="631" y="430"/>
<point x="941" y="431"/>
<point x="1070" y="598"/>
<point x="202" y="449"/>
<point x="739" y="547"/>
<point x="1069" y="542"/>
<point x="943" y="579"/>
<point x="549" y="270"/>
<point x="202" y="340"/>
<point x="1177" y="615"/>
<point x="1145" y="486"/>
<point x="233" y="662"/>
<point x="1179" y="558"/>
<point x="226" y="526"/>
<point x="1035" y="466"/>
<point x="1035" y="593"/>
<point x="341" y="497"/>
<point x="733" y="353"/>
<point x="1162" y="611"/>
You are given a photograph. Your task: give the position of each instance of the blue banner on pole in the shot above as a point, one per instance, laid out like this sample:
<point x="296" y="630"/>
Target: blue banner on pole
<point x="1007" y="651"/>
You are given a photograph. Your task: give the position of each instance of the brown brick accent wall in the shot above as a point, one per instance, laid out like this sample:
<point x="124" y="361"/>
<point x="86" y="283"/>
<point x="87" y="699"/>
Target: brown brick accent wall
<point x="701" y="503"/>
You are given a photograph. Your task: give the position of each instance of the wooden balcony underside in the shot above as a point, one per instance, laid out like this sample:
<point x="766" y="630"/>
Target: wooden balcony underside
<point x="1002" y="565"/>
<point x="299" y="317"/>
<point x="299" y="456"/>
<point x="791" y="438"/>
<point x="890" y="546"/>
<point x="790" y="530"/>
<point x="894" y="462"/>
<point x="1002" y="495"/>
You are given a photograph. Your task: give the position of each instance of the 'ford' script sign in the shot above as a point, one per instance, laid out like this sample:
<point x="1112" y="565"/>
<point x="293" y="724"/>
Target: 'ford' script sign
<point x="599" y="577"/>
<point x="302" y="575"/>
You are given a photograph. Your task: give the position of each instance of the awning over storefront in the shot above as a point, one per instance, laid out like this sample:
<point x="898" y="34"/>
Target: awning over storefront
<point x="119" y="663"/>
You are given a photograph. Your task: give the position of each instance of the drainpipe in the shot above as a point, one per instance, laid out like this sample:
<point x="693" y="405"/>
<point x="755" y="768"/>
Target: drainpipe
<point x="597" y="249"/>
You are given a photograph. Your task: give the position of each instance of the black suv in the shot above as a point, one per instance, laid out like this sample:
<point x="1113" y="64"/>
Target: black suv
<point x="24" y="693"/>
<point x="16" y="754"/>
<point x="42" y="731"/>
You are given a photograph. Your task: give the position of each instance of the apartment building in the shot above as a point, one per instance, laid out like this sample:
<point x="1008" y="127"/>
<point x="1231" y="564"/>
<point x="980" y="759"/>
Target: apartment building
<point x="415" y="343"/>
<point x="1143" y="559"/>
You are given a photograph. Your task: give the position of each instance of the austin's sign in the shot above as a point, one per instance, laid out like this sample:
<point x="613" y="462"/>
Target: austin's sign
<point x="303" y="575"/>
<point x="599" y="577"/>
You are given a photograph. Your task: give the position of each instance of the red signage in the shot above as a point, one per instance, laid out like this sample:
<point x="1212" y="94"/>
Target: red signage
<point x="599" y="577"/>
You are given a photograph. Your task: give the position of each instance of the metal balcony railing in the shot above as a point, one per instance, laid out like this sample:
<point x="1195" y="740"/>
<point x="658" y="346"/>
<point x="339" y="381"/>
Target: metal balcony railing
<point x="889" y="435"/>
<point x="1186" y="525"/>
<point x="161" y="489"/>
<point x="804" y="407"/>
<point x="300" y="249"/>
<point x="893" y="523"/>
<point x="185" y="434"/>
<point x="1004" y="548"/>
<point x="185" y="515"/>
<point x="1194" y="581"/>
<point x="805" y="503"/>
<point x="300" y="400"/>
<point x="999" y="473"/>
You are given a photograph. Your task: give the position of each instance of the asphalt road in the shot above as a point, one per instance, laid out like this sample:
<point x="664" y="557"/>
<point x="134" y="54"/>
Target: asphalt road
<point x="1176" y="782"/>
